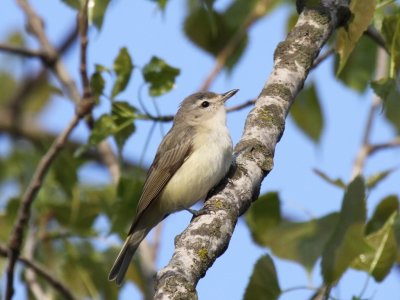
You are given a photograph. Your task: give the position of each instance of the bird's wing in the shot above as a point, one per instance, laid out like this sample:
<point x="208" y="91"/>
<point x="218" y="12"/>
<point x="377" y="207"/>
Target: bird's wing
<point x="175" y="149"/>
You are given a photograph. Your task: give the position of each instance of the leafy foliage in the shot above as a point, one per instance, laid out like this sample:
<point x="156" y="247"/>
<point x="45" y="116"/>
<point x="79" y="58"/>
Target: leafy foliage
<point x="123" y="68"/>
<point x="389" y="91"/>
<point x="119" y="124"/>
<point x="360" y="66"/>
<point x="160" y="76"/>
<point x="391" y="32"/>
<point x="347" y="241"/>
<point x="306" y="113"/>
<point x="301" y="242"/>
<point x="363" y="12"/>
<point x="264" y="282"/>
<point x="383" y="242"/>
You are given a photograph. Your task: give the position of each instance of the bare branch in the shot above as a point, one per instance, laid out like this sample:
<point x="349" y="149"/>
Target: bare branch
<point x="364" y="151"/>
<point x="323" y="57"/>
<point x="254" y="155"/>
<point x="42" y="272"/>
<point x="83" y="28"/>
<point x="383" y="146"/>
<point x="241" y="106"/>
<point x="22" y="51"/>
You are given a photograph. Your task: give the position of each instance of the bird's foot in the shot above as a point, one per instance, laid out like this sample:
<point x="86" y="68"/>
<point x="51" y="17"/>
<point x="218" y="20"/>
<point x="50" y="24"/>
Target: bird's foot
<point x="196" y="213"/>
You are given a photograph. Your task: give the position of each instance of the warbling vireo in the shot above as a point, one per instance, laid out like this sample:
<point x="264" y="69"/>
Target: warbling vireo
<point x="191" y="159"/>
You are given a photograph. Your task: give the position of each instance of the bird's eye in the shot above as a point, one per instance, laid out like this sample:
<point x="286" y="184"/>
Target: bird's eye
<point x="205" y="104"/>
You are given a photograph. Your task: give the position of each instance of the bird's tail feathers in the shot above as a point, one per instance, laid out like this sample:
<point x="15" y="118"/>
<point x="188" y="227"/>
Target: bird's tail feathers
<point x="124" y="257"/>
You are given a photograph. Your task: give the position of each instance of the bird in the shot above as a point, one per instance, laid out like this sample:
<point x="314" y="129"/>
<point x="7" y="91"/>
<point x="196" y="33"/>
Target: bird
<point x="193" y="157"/>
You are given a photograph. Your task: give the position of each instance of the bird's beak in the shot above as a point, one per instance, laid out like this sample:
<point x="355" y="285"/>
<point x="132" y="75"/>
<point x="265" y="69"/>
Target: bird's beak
<point x="227" y="95"/>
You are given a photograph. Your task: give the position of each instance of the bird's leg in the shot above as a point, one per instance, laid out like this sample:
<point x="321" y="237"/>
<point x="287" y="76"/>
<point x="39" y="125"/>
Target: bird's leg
<point x="194" y="212"/>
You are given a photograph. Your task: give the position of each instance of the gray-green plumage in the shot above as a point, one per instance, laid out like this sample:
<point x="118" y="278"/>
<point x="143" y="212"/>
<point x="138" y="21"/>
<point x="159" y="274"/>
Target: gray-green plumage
<point x="191" y="159"/>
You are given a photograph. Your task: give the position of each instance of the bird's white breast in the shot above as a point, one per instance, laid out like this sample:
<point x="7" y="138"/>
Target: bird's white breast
<point x="205" y="167"/>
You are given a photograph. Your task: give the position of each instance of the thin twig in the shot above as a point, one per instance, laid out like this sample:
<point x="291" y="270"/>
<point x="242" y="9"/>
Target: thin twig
<point x="374" y="35"/>
<point x="83" y="28"/>
<point x="364" y="151"/>
<point x="241" y="106"/>
<point x="11" y="49"/>
<point x="30" y="275"/>
<point x="43" y="272"/>
<point x="323" y="57"/>
<point x="388" y="145"/>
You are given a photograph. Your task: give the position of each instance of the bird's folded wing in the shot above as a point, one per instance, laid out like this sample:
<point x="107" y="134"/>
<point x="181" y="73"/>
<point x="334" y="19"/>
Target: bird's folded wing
<point x="172" y="153"/>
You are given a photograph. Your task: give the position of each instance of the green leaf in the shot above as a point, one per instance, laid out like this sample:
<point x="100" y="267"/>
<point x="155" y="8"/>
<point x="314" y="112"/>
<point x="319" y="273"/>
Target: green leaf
<point x="123" y="115"/>
<point x="128" y="194"/>
<point x="263" y="284"/>
<point x="96" y="12"/>
<point x="119" y="123"/>
<point x="362" y="14"/>
<point x="103" y="127"/>
<point x="7" y="87"/>
<point x="97" y="84"/>
<point x="40" y="96"/>
<point x="347" y="242"/>
<point x="306" y="113"/>
<point x="375" y="179"/>
<point x="396" y="228"/>
<point x="65" y="169"/>
<point x="160" y="76"/>
<point x="7" y="219"/>
<point x="360" y="66"/>
<point x="336" y="182"/>
<point x="123" y="68"/>
<point x="88" y="267"/>
<point x="302" y="242"/>
<point x="263" y="215"/>
<point x="383" y="211"/>
<point x="389" y="91"/>
<point x="213" y="36"/>
<point x="161" y="3"/>
<point x="16" y="38"/>
<point x="75" y="4"/>
<point x="391" y="33"/>
<point x="100" y="68"/>
<point x="73" y="214"/>
<point x="383" y="242"/>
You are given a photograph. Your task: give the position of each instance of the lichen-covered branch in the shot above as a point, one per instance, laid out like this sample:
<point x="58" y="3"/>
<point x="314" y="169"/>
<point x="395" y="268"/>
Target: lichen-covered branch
<point x="208" y="235"/>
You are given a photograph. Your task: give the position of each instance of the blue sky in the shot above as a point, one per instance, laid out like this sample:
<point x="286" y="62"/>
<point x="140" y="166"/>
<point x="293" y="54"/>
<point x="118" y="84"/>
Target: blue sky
<point x="145" y="31"/>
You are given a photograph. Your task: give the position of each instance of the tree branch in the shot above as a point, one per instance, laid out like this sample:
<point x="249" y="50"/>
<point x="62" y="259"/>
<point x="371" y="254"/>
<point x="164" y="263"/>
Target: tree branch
<point x="208" y="236"/>
<point x="42" y="272"/>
